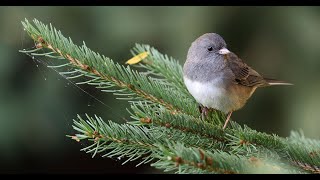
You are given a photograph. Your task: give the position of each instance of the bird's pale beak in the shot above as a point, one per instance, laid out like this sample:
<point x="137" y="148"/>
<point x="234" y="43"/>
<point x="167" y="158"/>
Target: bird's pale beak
<point x="224" y="51"/>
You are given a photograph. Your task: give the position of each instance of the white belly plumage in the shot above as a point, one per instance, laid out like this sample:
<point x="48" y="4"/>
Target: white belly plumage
<point x="211" y="95"/>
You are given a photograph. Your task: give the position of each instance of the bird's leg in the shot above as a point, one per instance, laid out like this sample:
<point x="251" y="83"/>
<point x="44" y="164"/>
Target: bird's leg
<point x="200" y="108"/>
<point x="204" y="111"/>
<point x="228" y="118"/>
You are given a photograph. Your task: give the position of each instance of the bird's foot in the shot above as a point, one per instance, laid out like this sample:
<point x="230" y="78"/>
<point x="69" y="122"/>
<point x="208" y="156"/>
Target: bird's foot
<point x="204" y="111"/>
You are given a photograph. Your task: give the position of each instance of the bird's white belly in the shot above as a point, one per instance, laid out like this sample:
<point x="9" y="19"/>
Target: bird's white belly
<point x="211" y="94"/>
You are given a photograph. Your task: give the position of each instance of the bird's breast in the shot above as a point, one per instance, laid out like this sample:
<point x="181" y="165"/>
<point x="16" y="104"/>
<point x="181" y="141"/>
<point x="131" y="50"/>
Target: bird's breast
<point x="216" y="94"/>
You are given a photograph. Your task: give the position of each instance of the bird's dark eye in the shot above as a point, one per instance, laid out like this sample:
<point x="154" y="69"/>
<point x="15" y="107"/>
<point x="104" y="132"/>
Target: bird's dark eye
<point x="210" y="48"/>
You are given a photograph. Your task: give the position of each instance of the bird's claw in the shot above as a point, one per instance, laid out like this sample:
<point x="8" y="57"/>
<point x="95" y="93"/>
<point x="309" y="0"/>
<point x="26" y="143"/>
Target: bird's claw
<point x="204" y="112"/>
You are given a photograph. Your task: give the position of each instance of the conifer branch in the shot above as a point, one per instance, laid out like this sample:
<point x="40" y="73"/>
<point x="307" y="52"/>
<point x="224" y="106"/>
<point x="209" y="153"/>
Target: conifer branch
<point x="165" y="127"/>
<point x="145" y="114"/>
<point x="122" y="140"/>
<point x="191" y="160"/>
<point x="133" y="142"/>
<point x="162" y="66"/>
<point x="88" y="62"/>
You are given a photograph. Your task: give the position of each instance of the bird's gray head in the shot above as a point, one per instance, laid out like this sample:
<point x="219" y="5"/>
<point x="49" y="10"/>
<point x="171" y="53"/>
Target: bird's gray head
<point x="207" y="46"/>
<point x="205" y="56"/>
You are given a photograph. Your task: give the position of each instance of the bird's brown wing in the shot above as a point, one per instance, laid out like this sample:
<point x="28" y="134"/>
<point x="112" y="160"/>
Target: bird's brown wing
<point x="243" y="73"/>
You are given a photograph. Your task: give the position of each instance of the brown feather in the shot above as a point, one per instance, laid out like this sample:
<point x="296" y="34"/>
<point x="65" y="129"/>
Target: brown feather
<point x="246" y="76"/>
<point x="273" y="82"/>
<point x="243" y="73"/>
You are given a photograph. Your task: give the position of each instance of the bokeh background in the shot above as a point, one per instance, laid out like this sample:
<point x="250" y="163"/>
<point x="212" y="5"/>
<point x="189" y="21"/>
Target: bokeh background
<point x="37" y="105"/>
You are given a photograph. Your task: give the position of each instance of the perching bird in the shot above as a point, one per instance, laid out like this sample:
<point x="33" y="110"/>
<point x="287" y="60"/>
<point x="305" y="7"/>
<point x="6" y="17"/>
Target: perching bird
<point x="217" y="78"/>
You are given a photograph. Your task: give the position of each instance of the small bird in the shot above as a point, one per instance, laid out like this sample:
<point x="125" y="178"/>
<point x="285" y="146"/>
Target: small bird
<point x="218" y="79"/>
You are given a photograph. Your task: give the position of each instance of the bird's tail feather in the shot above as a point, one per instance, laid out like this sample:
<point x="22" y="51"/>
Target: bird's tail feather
<point x="272" y="82"/>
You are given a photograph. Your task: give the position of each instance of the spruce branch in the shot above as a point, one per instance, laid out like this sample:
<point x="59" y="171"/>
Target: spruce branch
<point x="122" y="140"/>
<point x="161" y="66"/>
<point x="195" y="160"/>
<point x="247" y="140"/>
<point x="133" y="142"/>
<point x="101" y="69"/>
<point x="162" y="117"/>
<point x="166" y="128"/>
<point x="304" y="152"/>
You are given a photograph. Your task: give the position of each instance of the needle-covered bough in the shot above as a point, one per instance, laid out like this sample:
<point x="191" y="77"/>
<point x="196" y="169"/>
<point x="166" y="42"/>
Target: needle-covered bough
<point x="166" y="129"/>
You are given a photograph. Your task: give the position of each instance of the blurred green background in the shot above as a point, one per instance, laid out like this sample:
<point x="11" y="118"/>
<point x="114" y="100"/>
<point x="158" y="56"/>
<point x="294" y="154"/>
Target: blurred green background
<point x="37" y="105"/>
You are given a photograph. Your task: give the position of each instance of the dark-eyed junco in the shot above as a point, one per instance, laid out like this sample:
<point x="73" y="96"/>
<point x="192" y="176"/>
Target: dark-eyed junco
<point x="217" y="78"/>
